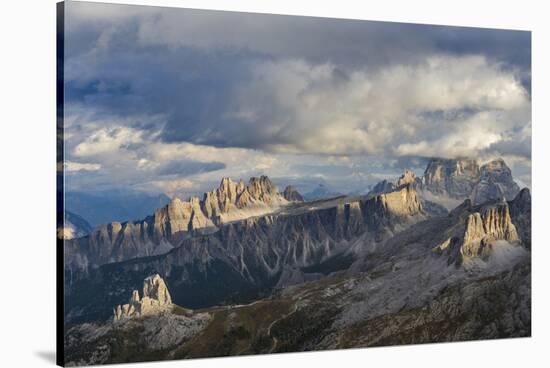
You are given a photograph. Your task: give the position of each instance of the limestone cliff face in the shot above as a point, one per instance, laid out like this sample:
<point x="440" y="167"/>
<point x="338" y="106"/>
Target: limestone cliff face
<point x="223" y="199"/>
<point x="453" y="177"/>
<point x="252" y="254"/>
<point x="178" y="218"/>
<point x="172" y="223"/>
<point x="401" y="202"/>
<point x="495" y="182"/>
<point x="458" y="179"/>
<point x="492" y="223"/>
<point x="259" y="248"/>
<point x="156" y="299"/>
<point x="476" y="230"/>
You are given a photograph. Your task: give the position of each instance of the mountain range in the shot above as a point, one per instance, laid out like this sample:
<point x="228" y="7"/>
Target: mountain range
<point x="178" y="220"/>
<point x="400" y="264"/>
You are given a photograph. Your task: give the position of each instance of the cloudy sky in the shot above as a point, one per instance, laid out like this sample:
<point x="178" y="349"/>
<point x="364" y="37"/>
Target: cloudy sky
<point x="170" y="100"/>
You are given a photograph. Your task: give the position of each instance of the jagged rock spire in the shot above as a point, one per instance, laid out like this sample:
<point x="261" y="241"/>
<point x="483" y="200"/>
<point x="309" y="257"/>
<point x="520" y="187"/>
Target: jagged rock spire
<point x="156" y="299"/>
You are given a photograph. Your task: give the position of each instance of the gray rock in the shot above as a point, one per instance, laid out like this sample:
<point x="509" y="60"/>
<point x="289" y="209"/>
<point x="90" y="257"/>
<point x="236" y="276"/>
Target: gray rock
<point x="156" y="299"/>
<point x="453" y="177"/>
<point x="495" y="182"/>
<point x="174" y="222"/>
<point x="291" y="194"/>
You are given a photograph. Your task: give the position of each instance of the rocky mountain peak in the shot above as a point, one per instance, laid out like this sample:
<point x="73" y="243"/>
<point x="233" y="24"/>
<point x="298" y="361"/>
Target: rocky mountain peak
<point x="408" y="177"/>
<point x="496" y="182"/>
<point x="489" y="224"/>
<point x="226" y="182"/>
<point x="401" y="202"/>
<point x="453" y="177"/>
<point x="155" y="288"/>
<point x="260" y="187"/>
<point x="291" y="194"/>
<point x="178" y="219"/>
<point x="481" y="227"/>
<point x="156" y="299"/>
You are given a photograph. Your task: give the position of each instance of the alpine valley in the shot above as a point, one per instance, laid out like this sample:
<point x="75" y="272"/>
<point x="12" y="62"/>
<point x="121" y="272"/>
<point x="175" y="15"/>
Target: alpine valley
<point x="249" y="269"/>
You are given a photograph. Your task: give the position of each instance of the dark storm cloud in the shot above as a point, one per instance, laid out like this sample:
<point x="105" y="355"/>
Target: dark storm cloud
<point x="190" y="65"/>
<point x="291" y="85"/>
<point x="341" y="41"/>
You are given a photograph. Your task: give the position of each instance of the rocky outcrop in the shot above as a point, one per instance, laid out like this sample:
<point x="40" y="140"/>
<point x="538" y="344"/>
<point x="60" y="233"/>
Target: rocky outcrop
<point x="495" y="182"/>
<point x="399" y="203"/>
<point x="291" y="194"/>
<point x="178" y="218"/>
<point x="477" y="229"/>
<point x="169" y="225"/>
<point x="453" y="177"/>
<point x="232" y="196"/>
<point x="156" y="299"/>
<point x="408" y="177"/>
<point x="482" y="228"/>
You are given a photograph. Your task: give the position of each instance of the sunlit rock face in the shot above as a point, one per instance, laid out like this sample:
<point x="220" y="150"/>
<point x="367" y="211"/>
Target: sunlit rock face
<point x="253" y="253"/>
<point x="492" y="223"/>
<point x="156" y="299"/>
<point x="401" y="202"/>
<point x="408" y="177"/>
<point x="477" y="229"/>
<point x="159" y="233"/>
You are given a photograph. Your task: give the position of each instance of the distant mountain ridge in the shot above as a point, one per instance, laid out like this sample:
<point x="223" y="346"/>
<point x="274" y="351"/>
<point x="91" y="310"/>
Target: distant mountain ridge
<point x="321" y="192"/>
<point x="169" y="225"/>
<point x="459" y="179"/>
<point x="241" y="240"/>
<point x="278" y="250"/>
<point x="260" y="252"/>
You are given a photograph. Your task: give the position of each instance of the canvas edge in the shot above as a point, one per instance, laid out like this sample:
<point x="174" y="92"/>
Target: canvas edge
<point x="60" y="175"/>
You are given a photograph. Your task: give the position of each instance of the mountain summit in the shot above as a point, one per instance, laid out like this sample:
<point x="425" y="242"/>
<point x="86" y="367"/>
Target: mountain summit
<point x="453" y="180"/>
<point x="495" y="182"/>
<point x="464" y="178"/>
<point x="169" y="225"/>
